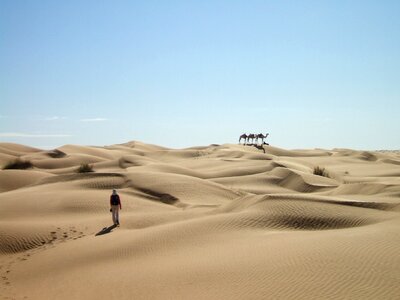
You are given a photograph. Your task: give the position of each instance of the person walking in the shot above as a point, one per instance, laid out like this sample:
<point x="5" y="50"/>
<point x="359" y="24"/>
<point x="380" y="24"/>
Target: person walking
<point x="115" y="203"/>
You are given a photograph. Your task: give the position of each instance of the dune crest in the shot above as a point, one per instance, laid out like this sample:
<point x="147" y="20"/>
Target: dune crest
<point x="211" y="222"/>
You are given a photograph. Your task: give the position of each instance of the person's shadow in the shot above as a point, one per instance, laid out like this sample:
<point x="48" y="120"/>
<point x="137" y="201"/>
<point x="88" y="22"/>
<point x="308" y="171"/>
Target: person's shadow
<point x="106" y="230"/>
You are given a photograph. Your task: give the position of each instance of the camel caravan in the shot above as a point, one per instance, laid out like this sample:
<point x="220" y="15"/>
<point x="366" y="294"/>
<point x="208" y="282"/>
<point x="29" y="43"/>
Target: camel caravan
<point x="252" y="139"/>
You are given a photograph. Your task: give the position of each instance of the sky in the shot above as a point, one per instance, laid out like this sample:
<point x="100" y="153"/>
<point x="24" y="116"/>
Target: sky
<point x="312" y="74"/>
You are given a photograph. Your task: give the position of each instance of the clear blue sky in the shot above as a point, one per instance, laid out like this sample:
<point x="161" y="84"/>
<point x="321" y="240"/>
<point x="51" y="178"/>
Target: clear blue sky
<point x="183" y="73"/>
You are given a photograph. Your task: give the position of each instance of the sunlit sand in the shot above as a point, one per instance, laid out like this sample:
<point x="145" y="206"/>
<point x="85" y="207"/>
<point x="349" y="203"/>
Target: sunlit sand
<point x="215" y="222"/>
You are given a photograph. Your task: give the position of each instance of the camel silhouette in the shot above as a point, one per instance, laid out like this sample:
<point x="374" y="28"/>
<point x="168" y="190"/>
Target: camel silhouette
<point x="244" y="137"/>
<point x="262" y="137"/>
<point x="252" y="139"/>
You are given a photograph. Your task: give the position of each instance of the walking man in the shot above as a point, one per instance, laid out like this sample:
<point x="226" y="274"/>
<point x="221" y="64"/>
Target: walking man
<point x="115" y="203"/>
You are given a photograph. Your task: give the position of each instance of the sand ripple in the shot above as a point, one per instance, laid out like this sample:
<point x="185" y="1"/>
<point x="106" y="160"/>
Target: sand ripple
<point x="213" y="222"/>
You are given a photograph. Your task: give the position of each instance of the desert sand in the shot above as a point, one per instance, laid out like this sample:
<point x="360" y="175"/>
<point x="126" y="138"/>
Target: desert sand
<point x="215" y="222"/>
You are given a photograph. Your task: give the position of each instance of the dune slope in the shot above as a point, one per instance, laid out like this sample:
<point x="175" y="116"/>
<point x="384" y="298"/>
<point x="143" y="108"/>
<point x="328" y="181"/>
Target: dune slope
<point x="214" y="222"/>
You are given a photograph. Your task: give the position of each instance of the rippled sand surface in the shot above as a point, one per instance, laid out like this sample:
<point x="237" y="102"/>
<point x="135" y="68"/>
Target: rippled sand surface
<point x="214" y="222"/>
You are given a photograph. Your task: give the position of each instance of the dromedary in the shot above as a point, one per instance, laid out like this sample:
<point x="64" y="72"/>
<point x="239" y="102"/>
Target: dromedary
<point x="262" y="137"/>
<point x="243" y="136"/>
<point x="251" y="137"/>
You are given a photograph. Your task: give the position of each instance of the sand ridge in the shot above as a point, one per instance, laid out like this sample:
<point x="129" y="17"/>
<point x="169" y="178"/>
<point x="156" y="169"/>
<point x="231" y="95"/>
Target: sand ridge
<point x="210" y="222"/>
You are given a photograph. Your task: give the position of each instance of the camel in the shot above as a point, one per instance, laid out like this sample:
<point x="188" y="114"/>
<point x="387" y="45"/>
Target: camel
<point x="243" y="136"/>
<point x="262" y="137"/>
<point x="251" y="136"/>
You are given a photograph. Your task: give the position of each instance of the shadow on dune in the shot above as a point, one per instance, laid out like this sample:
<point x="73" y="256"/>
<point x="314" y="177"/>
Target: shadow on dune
<point x="106" y="230"/>
<point x="261" y="147"/>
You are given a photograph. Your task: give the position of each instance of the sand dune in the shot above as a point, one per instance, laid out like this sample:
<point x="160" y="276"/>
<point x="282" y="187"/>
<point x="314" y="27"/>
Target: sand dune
<point x="211" y="222"/>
